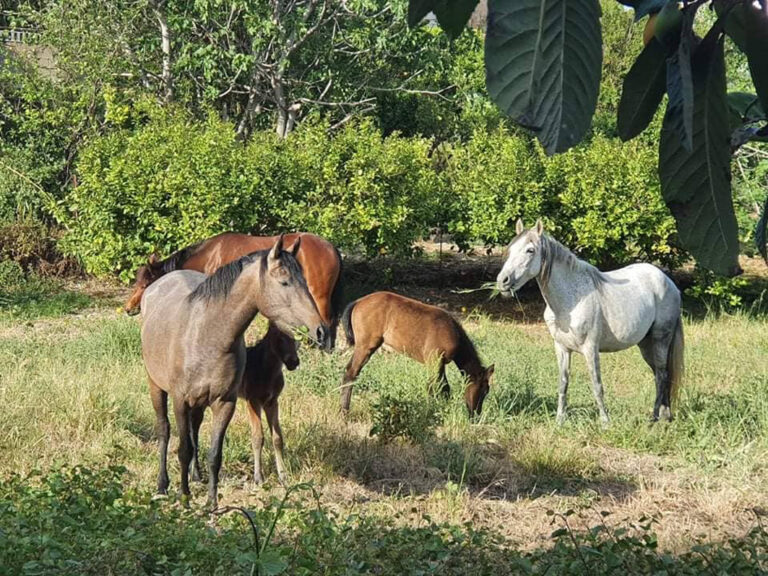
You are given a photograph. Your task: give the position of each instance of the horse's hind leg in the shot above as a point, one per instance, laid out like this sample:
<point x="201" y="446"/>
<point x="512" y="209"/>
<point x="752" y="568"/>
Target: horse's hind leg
<point x="195" y="421"/>
<point x="163" y="430"/>
<point x="592" y="356"/>
<point x="564" y="365"/>
<point x="222" y="414"/>
<point x="359" y="359"/>
<point x="257" y="438"/>
<point x="181" y="411"/>
<point x="272" y="410"/>
<point x="647" y="347"/>
<point x="655" y="349"/>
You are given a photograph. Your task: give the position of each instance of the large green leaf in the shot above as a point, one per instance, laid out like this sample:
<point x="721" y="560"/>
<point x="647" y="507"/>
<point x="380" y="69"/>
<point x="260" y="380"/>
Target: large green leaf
<point x="696" y="185"/>
<point x="643" y="90"/>
<point x="543" y="62"/>
<point x="451" y="14"/>
<point x="756" y="49"/>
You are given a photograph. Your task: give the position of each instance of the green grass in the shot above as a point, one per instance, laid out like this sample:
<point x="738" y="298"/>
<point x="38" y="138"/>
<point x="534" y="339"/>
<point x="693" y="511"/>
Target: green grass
<point x="460" y="498"/>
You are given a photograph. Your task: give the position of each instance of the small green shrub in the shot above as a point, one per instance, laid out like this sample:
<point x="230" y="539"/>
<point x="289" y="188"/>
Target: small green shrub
<point x="414" y="419"/>
<point x="718" y="292"/>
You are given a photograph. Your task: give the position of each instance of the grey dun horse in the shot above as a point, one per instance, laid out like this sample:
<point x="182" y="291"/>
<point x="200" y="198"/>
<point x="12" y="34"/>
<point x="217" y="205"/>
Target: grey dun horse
<point x="193" y="346"/>
<point x="589" y="311"/>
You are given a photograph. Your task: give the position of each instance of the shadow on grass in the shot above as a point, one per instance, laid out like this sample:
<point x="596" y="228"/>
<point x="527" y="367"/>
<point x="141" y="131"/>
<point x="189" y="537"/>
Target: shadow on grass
<point x="530" y="467"/>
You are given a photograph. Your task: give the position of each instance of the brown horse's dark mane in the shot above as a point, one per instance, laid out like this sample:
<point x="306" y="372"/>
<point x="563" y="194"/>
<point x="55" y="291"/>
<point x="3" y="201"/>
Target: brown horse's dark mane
<point x="176" y="260"/>
<point x="466" y="357"/>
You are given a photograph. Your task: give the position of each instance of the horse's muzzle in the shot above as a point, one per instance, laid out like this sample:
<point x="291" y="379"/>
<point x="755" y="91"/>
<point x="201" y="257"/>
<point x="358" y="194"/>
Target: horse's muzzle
<point x="505" y="283"/>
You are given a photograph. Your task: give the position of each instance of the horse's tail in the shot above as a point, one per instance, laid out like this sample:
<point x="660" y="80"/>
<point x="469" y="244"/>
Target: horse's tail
<point x="676" y="361"/>
<point x="337" y="298"/>
<point x="346" y="322"/>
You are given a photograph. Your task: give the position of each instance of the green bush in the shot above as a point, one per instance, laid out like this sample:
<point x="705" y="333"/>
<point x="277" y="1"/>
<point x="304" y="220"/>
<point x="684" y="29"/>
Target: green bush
<point x="602" y="200"/>
<point x="414" y="419"/>
<point x="173" y="182"/>
<point x="496" y="178"/>
<point x="610" y="209"/>
<point x="166" y="181"/>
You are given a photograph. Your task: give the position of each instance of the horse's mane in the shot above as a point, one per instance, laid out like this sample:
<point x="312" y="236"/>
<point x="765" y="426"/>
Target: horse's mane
<point x="220" y="283"/>
<point x="177" y="259"/>
<point x="466" y="353"/>
<point x="554" y="252"/>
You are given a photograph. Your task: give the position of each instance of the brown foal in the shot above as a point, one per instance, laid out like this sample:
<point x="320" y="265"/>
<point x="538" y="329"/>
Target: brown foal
<point x="422" y="332"/>
<point x="261" y="387"/>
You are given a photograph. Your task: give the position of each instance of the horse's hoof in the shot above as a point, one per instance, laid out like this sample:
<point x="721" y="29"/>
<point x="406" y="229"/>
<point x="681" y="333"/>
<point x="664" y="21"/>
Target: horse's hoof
<point x="258" y="480"/>
<point x="560" y="420"/>
<point x="195" y="476"/>
<point x="184" y="500"/>
<point x="161" y="495"/>
<point x="283" y="479"/>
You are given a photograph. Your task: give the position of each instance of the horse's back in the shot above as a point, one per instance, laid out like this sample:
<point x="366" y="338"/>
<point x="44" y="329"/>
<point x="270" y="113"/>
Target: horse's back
<point x="406" y="325"/>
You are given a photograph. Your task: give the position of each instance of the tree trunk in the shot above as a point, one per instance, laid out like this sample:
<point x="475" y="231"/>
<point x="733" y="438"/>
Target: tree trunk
<point x="165" y="46"/>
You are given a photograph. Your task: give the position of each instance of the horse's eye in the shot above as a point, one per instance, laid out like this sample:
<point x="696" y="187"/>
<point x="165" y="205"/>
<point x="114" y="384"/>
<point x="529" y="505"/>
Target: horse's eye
<point x="284" y="283"/>
<point x="530" y="250"/>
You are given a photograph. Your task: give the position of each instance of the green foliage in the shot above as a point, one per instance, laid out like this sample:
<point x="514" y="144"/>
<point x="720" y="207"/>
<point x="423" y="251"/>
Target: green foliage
<point x="82" y="521"/>
<point x="718" y="292"/>
<point x="173" y="182"/>
<point x="607" y="211"/>
<point x="409" y="417"/>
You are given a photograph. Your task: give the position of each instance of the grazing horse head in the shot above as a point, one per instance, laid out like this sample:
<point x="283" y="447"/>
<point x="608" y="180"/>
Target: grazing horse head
<point x="477" y="390"/>
<point x="283" y="346"/>
<point x="285" y="297"/>
<point x="145" y="275"/>
<point x="524" y="258"/>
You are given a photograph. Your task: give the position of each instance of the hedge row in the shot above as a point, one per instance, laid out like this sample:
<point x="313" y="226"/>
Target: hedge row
<point x="173" y="181"/>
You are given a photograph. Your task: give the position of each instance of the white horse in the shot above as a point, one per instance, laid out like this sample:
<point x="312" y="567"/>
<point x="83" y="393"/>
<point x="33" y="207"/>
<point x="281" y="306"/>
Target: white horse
<point x="589" y="311"/>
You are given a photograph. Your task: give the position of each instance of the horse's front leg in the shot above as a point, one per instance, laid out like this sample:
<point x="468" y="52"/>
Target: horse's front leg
<point x="222" y="414"/>
<point x="592" y="357"/>
<point x="564" y="364"/>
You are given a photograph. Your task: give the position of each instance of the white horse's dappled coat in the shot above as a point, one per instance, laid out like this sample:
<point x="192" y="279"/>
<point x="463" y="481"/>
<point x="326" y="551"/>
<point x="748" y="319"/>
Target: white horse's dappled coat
<point x="589" y="311"/>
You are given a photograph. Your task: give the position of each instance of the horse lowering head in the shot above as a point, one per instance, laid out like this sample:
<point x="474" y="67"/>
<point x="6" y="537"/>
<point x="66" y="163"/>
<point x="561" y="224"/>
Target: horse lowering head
<point x="524" y="259"/>
<point x="479" y="385"/>
<point x="284" y="346"/>
<point x="145" y="275"/>
<point x="287" y="300"/>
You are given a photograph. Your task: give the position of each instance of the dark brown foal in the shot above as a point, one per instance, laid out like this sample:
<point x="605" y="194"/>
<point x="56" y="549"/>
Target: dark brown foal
<point x="423" y="332"/>
<point x="261" y="387"/>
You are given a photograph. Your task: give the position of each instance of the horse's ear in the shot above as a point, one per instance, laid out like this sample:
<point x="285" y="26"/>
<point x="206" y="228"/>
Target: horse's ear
<point x="519" y="226"/>
<point x="539" y="227"/>
<point x="296" y="246"/>
<point x="274" y="254"/>
<point x="153" y="260"/>
<point x="489" y="371"/>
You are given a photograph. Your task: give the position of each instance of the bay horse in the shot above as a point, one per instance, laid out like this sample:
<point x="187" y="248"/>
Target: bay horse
<point x="320" y="261"/>
<point x="193" y="347"/>
<point x="589" y="311"/>
<point x="422" y="332"/>
<point x="261" y="387"/>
